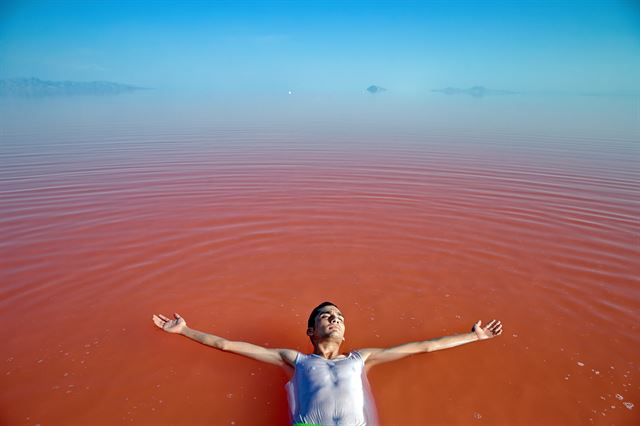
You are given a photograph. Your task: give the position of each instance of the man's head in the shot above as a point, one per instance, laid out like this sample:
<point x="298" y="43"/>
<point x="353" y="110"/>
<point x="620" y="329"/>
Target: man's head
<point x="325" y="322"/>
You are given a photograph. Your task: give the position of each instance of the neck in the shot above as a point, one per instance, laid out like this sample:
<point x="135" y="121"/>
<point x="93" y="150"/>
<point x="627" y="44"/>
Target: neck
<point x="327" y="349"/>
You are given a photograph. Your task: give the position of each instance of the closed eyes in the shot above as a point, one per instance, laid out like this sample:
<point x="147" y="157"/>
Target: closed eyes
<point x="326" y="315"/>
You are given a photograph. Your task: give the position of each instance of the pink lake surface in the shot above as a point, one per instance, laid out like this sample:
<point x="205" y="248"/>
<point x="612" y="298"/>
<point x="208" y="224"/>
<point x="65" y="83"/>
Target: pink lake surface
<point x="243" y="230"/>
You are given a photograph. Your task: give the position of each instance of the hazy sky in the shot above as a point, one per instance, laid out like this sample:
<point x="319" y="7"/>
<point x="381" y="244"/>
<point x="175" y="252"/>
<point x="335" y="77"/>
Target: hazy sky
<point x="339" y="47"/>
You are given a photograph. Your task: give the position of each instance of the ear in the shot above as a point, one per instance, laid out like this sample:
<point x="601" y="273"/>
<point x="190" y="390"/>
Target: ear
<point x="310" y="331"/>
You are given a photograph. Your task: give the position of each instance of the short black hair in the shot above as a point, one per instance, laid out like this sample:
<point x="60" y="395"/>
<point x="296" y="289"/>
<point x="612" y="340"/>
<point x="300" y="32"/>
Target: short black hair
<point x="311" y="322"/>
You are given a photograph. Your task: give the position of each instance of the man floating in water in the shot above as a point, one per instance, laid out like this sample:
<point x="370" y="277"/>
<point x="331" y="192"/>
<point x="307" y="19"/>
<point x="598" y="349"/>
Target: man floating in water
<point x="327" y="387"/>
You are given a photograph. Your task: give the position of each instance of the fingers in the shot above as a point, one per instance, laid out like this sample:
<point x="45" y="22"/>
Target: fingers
<point x="177" y="315"/>
<point x="163" y="317"/>
<point x="498" y="329"/>
<point x="158" y="321"/>
<point x="495" y="327"/>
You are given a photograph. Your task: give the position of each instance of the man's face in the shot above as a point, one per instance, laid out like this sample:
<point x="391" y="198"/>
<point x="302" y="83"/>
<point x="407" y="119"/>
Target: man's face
<point x="329" y="323"/>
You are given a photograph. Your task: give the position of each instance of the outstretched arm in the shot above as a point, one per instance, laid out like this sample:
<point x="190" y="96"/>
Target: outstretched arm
<point x="282" y="357"/>
<point x="373" y="356"/>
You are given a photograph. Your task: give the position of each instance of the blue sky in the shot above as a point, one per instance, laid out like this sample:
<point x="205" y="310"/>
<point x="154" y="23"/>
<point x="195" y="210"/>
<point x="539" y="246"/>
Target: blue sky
<point x="340" y="47"/>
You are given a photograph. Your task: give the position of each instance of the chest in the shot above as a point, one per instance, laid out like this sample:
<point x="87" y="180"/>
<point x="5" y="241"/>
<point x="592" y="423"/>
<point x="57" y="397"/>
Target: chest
<point x="316" y="372"/>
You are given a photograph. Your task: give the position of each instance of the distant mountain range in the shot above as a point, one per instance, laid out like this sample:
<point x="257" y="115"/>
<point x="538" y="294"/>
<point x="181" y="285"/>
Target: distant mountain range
<point x="476" y="91"/>
<point x="34" y="87"/>
<point x="375" y="89"/>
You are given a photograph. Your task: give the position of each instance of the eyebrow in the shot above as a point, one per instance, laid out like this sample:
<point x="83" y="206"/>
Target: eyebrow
<point x="328" y="312"/>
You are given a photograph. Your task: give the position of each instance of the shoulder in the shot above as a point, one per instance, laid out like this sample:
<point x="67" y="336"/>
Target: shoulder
<point x="360" y="355"/>
<point x="366" y="353"/>
<point x="290" y="356"/>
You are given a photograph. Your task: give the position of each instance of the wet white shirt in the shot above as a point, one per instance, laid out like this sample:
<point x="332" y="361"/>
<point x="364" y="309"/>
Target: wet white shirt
<point x="330" y="392"/>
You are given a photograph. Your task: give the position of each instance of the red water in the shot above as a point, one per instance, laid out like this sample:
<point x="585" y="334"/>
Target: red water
<point x="414" y="236"/>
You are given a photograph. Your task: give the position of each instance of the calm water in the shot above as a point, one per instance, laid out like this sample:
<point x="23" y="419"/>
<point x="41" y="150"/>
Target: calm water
<point x="416" y="217"/>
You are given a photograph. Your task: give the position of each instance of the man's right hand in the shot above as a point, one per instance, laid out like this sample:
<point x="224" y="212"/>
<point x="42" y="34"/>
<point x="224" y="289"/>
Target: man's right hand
<point x="170" y="325"/>
<point x="285" y="358"/>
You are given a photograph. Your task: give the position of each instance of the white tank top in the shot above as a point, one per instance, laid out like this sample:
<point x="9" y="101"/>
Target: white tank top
<point x="330" y="392"/>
